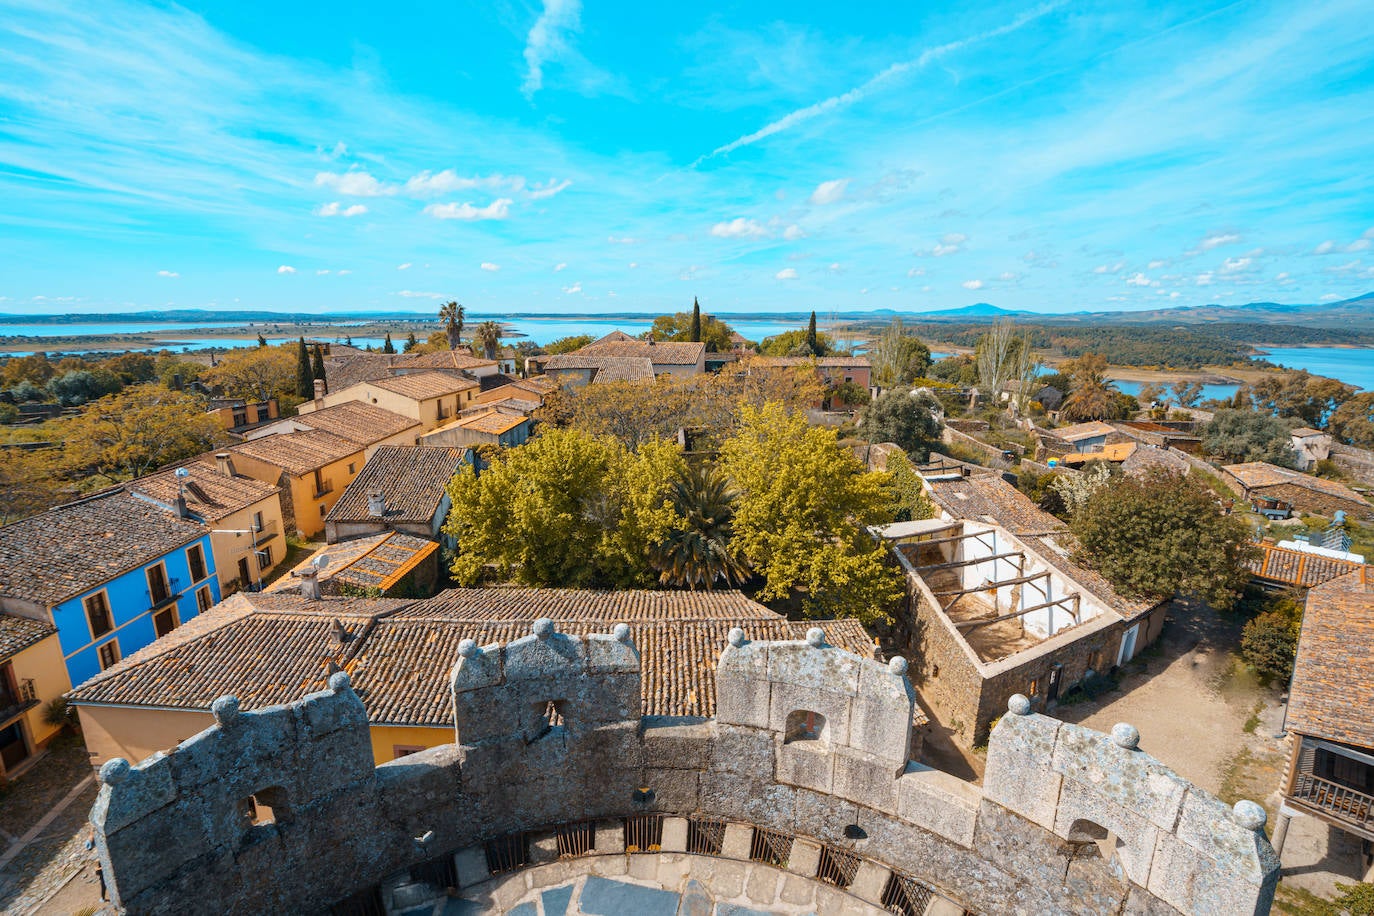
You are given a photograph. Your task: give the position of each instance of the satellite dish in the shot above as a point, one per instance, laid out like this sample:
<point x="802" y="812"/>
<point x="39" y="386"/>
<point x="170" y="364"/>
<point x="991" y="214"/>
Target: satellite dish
<point x="183" y="473"/>
<point x="320" y="562"/>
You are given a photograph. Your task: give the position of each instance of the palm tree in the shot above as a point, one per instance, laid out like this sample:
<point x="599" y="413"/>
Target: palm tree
<point x="488" y="335"/>
<point x="698" y="554"/>
<point x="451" y="314"/>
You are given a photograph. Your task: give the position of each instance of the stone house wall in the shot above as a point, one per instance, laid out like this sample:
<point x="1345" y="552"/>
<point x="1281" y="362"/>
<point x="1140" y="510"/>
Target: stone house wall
<point x="1357" y="462"/>
<point x="1312" y="501"/>
<point x="326" y="824"/>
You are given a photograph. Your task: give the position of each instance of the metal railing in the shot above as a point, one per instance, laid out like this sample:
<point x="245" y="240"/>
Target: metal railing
<point x="1340" y="801"/>
<point x="13" y="703"/>
<point x="158" y="598"/>
<point x="266" y="529"/>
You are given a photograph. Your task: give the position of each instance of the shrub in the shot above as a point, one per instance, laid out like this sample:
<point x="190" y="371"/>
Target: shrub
<point x="1269" y="642"/>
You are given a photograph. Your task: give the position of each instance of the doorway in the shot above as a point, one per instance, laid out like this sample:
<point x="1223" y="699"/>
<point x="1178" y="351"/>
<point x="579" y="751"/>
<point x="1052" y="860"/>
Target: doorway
<point x="14" y="747"/>
<point x="1056" y="675"/>
<point x="1127" y="645"/>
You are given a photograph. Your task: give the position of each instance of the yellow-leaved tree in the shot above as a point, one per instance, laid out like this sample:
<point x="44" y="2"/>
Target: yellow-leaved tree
<point x="138" y="430"/>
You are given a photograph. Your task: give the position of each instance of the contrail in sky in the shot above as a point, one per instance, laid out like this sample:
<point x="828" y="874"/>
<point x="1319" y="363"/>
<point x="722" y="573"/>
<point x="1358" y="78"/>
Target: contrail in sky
<point x="836" y="102"/>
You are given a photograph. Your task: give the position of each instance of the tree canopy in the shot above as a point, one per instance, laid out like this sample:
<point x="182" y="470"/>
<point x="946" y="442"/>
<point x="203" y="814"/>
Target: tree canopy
<point x="794" y="343"/>
<point x="716" y="334"/>
<point x="1309" y="398"/>
<point x="900" y="416"/>
<point x="899" y="358"/>
<point x="1164" y="535"/>
<point x="257" y="373"/>
<point x="139" y="430"/>
<point x="1246" y="435"/>
<point x="1353" y="421"/>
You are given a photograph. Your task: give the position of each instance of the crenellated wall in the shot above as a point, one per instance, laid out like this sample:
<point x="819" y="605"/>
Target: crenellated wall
<point x="809" y="741"/>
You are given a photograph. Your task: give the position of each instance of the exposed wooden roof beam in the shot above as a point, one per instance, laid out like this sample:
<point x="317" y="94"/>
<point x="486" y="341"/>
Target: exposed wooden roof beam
<point x="970" y="624"/>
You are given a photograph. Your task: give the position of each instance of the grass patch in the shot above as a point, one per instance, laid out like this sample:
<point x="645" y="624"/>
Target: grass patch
<point x="1252" y="723"/>
<point x="1297" y="901"/>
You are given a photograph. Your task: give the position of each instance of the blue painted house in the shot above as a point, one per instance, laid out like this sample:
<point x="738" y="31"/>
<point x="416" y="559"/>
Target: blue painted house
<point x="111" y="573"/>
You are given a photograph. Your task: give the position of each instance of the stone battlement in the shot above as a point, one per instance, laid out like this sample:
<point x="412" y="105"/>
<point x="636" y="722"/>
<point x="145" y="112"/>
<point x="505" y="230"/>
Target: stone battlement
<point x="282" y="810"/>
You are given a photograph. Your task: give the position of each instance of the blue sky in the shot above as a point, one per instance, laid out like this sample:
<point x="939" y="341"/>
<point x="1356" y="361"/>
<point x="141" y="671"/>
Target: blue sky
<point x="563" y="156"/>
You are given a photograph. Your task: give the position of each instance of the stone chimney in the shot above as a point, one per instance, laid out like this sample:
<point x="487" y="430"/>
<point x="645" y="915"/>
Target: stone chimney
<point x="310" y="583"/>
<point x="320" y="389"/>
<point x="224" y="463"/>
<point x="338" y="633"/>
<point x="376" y="504"/>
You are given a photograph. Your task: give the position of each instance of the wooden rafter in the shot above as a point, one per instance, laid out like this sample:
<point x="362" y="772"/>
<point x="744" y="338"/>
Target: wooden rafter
<point x="970" y="624"/>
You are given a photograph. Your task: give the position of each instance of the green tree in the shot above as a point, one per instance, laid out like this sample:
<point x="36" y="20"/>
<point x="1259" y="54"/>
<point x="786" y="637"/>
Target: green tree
<point x="28" y="482"/>
<point x="137" y="430"/>
<point x="1269" y="642"/>
<point x="909" y="500"/>
<point x="716" y="334"/>
<point x="1246" y="435"/>
<point x="317" y="363"/>
<point x="487" y="335"/>
<point x="812" y="342"/>
<point x="387" y="345"/>
<point x="898" y="416"/>
<point x="305" y="378"/>
<point x="795" y="343"/>
<point x="1094" y="396"/>
<point x="451" y="314"/>
<point x="1162" y="534"/>
<point x="696" y="321"/>
<point x="697" y="552"/>
<point x="1186" y="393"/>
<point x="411" y="343"/>
<point x="1353" y="421"/>
<point x="899" y="358"/>
<point x="262" y="341"/>
<point x="1306" y="397"/>
<point x="256" y="373"/>
<point x="568" y="344"/>
<point x="801" y="513"/>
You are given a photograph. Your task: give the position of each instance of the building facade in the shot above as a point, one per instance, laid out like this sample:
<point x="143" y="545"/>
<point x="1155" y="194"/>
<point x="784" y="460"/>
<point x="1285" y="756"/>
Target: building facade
<point x="32" y="675"/>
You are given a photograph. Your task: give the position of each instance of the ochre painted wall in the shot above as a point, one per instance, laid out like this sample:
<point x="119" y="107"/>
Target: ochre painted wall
<point x="42" y="663"/>
<point x="134" y="733"/>
<point x="385" y="739"/>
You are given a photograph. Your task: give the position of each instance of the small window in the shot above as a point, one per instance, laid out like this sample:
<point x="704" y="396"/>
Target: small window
<point x="165" y="620"/>
<point x="257" y="521"/>
<point x="324" y="510"/>
<point x="204" y="599"/>
<point x="1034" y="687"/>
<point x="405" y="750"/>
<point x="352" y="467"/>
<point x="195" y="559"/>
<point x="804" y="725"/>
<point x="159" y="588"/>
<point x="264" y="557"/>
<point x="109" y="653"/>
<point x="98" y="613"/>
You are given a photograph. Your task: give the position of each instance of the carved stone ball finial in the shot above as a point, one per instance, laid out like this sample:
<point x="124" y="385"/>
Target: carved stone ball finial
<point x="897" y="665"/>
<point x="1018" y="705"/>
<point x="338" y="681"/>
<point x="621" y="632"/>
<point x="114" y="771"/>
<point x="1126" y="735"/>
<point x="815" y="637"/>
<point x="736" y="637"/>
<point x="225" y="710"/>
<point x="543" y="628"/>
<point x="467" y="648"/>
<point x="1249" y="815"/>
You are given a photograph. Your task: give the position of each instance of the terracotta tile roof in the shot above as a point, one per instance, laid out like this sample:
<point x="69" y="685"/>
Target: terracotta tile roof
<point x="378" y="562"/>
<point x="74" y="548"/>
<point x="345" y="371"/>
<point x="424" y="385"/>
<point x="1259" y="474"/>
<point x="610" y="607"/>
<point x="493" y="421"/>
<point x="299" y="452"/>
<point x="18" y="633"/>
<point x="1298" y="567"/>
<point x="1090" y="430"/>
<point x="209" y="494"/>
<point x="1332" y="694"/>
<point x="1306" y="432"/>
<point x="401" y="670"/>
<point x="521" y="391"/>
<point x="665" y="353"/>
<point x="992" y="499"/>
<point x="411" y="478"/>
<point x="399" y="662"/>
<point x="605" y="368"/>
<point x="442" y="359"/>
<point x="362" y="423"/>
<point x="1148" y="457"/>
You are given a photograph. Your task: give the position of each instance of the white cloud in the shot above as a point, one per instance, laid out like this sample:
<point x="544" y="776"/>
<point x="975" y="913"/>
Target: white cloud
<point x="497" y="209"/>
<point x="1138" y="279"/>
<point x="836" y="267"/>
<point x="1116" y="268"/>
<point x="1330" y="297"/>
<point x="738" y="228"/>
<point x="1174" y="295"/>
<point x="972" y="284"/>
<point x="829" y="192"/>
<point x="321" y="273"/>
<point x="406" y="266"/>
<point x="560" y="266"/>
<point x="633" y="265"/>
<point x="1156" y="265"/>
<point x="337" y="209"/>
<point x="916" y="272"/>
<point x="417" y="294"/>
<point x="1204" y="278"/>
<point x="621" y="240"/>
<point x="354" y="184"/>
<point x="431" y="184"/>
<point x="575" y="288"/>
<point x="1347" y="266"/>
<point x="548" y="40"/>
<point x="168" y="273"/>
<point x="344" y="272"/>
<point x="549" y="190"/>
<point x="1281" y="277"/>
<point x="794" y="232"/>
<point x="1358" y="245"/>
<point x="787" y="273"/>
<point x="286" y="269"/>
<point x="1007" y="276"/>
<point x="490" y="267"/>
<point x="1325" y="247"/>
<point x="1215" y="240"/>
<point x="1232" y="265"/>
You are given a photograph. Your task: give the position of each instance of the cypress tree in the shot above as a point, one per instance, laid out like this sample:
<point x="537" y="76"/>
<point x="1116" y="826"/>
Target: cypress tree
<point x="305" y="381"/>
<point x="388" y="346"/>
<point x="411" y="342"/>
<point x="317" y="362"/>
<point x="811" y="335"/>
<point x="696" y="320"/>
<point x="262" y="341"/>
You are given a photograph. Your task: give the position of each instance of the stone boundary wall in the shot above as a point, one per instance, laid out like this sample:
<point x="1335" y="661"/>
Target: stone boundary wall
<point x="809" y="741"/>
<point x="951" y="436"/>
<point x="1357" y="462"/>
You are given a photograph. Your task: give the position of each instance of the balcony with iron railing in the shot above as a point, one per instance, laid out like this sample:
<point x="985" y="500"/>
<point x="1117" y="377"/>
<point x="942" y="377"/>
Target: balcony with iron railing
<point x="159" y="597"/>
<point x="265" y="531"/>
<point x="1348" y="806"/>
<point x="14" y="702"/>
<point x="323" y="487"/>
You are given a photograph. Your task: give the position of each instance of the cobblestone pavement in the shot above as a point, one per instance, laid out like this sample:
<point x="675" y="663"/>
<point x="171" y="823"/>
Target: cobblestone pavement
<point x="58" y="850"/>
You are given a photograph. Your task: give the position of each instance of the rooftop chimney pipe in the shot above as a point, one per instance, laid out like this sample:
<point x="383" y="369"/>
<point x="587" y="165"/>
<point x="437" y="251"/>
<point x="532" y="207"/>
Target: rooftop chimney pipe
<point x="224" y="463"/>
<point x="376" y="504"/>
<point x="310" y="583"/>
<point x="320" y="388"/>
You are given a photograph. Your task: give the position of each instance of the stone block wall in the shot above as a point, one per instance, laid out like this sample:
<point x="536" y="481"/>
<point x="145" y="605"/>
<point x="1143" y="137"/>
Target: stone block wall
<point x="810" y="743"/>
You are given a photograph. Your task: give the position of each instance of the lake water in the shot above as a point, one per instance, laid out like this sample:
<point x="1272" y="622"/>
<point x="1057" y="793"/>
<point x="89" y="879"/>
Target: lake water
<point x="1350" y="365"/>
<point x="75" y="330"/>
